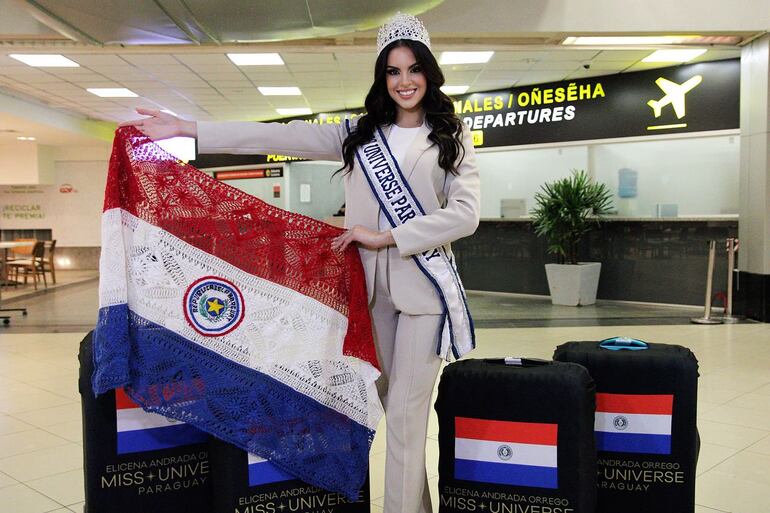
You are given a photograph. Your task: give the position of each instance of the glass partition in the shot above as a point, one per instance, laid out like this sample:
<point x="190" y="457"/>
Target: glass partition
<point x="518" y="175"/>
<point x="674" y="178"/>
<point x="687" y="177"/>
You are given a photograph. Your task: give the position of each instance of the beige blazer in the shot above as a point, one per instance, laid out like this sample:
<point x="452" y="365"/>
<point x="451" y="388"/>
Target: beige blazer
<point x="451" y="202"/>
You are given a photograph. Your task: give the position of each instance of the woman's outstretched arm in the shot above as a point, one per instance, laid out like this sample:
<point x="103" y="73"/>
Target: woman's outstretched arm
<point x="295" y="139"/>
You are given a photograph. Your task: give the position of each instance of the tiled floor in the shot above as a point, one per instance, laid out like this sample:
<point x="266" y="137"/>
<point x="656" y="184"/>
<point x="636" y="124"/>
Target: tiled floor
<point x="64" y="279"/>
<point x="71" y="306"/>
<point x="501" y="310"/>
<point x="40" y="420"/>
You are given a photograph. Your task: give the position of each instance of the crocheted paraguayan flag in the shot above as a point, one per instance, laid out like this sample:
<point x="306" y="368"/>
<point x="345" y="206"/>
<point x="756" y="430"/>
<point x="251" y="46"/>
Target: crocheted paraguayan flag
<point x="236" y="317"/>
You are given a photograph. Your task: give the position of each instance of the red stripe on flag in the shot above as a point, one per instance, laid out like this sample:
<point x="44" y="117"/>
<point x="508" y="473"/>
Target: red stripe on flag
<point x="288" y="249"/>
<point x="635" y="403"/>
<point x="122" y="401"/>
<point x="506" y="431"/>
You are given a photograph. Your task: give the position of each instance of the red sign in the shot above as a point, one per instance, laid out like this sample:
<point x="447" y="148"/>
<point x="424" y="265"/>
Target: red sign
<point x="243" y="174"/>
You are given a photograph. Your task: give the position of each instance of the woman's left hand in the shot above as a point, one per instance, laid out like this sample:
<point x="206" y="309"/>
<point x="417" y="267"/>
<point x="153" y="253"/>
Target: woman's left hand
<point x="369" y="239"/>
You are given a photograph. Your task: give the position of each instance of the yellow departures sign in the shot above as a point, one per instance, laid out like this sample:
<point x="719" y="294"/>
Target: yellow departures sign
<point x="675" y="97"/>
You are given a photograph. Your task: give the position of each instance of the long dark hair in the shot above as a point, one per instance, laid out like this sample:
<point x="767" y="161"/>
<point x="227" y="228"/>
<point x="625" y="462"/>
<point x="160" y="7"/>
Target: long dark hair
<point x="446" y="127"/>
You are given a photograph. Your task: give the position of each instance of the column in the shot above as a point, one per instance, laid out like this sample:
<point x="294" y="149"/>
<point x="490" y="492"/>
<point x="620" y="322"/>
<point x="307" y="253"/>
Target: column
<point x="753" y="284"/>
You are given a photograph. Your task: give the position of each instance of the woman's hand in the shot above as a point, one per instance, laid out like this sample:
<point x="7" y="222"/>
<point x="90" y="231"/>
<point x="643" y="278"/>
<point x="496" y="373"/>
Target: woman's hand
<point x="162" y="125"/>
<point x="369" y="239"/>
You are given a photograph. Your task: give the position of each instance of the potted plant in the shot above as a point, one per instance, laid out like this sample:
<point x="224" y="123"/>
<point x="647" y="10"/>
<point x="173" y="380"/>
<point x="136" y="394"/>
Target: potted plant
<point x="565" y="211"/>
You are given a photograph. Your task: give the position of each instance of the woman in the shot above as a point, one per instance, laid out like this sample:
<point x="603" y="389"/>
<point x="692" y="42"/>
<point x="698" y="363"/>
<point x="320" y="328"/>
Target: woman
<point x="434" y="154"/>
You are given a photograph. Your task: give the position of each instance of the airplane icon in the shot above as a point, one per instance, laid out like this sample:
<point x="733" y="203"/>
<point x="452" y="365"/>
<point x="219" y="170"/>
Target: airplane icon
<point x="674" y="95"/>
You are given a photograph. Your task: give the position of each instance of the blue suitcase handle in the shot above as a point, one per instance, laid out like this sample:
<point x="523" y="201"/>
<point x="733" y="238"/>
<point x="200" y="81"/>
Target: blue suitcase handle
<point x="623" y="343"/>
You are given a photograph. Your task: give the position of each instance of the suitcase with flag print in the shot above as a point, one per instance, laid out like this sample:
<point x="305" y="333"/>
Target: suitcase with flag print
<point x="646" y="435"/>
<point x="246" y="483"/>
<point x="135" y="461"/>
<point x="516" y="435"/>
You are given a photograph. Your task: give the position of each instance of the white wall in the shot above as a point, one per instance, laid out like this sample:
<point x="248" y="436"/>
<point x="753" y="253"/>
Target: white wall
<point x="74" y="217"/>
<point x="26" y="163"/>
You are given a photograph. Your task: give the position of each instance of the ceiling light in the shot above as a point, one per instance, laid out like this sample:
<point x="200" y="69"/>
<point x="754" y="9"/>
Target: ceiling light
<point x="255" y="59"/>
<point x="465" y="57"/>
<point x="303" y="111"/>
<point x="456" y="89"/>
<point x="112" y="92"/>
<point x="280" y="91"/>
<point x="629" y="40"/>
<point x="674" y="55"/>
<point x="44" y="60"/>
<point x="22" y="138"/>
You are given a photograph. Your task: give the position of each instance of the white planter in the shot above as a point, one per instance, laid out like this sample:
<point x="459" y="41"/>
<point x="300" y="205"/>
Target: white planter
<point x="573" y="285"/>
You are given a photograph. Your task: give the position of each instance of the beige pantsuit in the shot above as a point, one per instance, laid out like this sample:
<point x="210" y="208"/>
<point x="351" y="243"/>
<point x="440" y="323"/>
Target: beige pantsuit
<point x="406" y="310"/>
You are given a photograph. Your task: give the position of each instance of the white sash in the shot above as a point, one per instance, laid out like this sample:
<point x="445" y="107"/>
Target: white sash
<point x="399" y="204"/>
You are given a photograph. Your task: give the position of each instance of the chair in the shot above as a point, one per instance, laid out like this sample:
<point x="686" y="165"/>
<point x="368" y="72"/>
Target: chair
<point x="32" y="266"/>
<point x="48" y="262"/>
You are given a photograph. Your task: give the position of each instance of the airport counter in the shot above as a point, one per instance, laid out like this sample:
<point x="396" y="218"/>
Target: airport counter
<point x="659" y="260"/>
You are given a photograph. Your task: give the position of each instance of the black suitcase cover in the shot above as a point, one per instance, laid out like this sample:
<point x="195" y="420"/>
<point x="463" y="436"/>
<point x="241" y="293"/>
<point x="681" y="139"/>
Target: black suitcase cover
<point x="134" y="461"/>
<point x="516" y="436"/>
<point x="245" y="483"/>
<point x="646" y="433"/>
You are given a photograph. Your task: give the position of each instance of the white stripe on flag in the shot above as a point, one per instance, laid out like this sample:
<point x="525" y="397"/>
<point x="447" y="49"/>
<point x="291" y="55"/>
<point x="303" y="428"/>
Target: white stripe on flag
<point x="134" y="419"/>
<point x="633" y="423"/>
<point x="505" y="452"/>
<point x="163" y="266"/>
<point x="283" y="331"/>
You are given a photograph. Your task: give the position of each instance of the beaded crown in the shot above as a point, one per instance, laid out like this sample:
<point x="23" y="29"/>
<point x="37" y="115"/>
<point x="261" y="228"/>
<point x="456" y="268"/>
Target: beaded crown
<point x="402" y="26"/>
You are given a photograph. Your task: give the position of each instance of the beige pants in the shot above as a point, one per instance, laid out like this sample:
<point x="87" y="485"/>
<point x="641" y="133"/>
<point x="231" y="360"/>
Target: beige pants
<point x="406" y="349"/>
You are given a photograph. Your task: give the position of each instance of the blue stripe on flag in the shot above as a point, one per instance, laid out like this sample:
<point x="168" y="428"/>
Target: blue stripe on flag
<point x="165" y="437"/>
<point x="264" y="472"/>
<point x="296" y="420"/>
<point x="508" y="474"/>
<point x="633" y="442"/>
